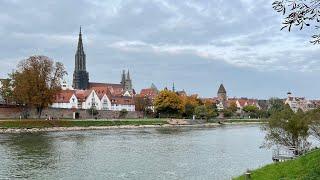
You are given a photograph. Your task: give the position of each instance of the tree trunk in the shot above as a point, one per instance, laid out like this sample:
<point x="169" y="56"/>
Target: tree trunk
<point x="39" y="110"/>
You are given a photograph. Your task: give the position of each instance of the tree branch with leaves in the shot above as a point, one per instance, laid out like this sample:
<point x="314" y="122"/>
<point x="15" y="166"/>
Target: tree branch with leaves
<point x="300" y="13"/>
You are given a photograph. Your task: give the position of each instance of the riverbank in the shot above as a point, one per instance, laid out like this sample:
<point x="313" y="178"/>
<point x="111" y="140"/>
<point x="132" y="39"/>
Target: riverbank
<point x="304" y="167"/>
<point x="22" y="126"/>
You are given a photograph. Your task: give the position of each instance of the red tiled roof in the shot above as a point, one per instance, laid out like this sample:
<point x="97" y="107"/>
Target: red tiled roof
<point x="82" y="94"/>
<point x="64" y="96"/>
<point x="149" y="92"/>
<point x="114" y="89"/>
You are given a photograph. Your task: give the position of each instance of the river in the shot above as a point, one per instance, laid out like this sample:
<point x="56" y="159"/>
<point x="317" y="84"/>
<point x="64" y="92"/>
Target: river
<point x="183" y="153"/>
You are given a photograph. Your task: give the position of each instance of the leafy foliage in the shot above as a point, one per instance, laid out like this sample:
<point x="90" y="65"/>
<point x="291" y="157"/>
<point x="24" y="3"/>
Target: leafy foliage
<point x="93" y="111"/>
<point x="314" y="118"/>
<point x="275" y="105"/>
<point x="168" y="103"/>
<point x="123" y="113"/>
<point x="6" y="91"/>
<point x="300" y="13"/>
<point x="205" y="112"/>
<point x="288" y="129"/>
<point x="142" y="103"/>
<point x="36" y="82"/>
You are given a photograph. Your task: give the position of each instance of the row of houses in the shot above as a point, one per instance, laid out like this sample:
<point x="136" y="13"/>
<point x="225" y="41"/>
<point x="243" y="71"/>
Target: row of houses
<point x="100" y="96"/>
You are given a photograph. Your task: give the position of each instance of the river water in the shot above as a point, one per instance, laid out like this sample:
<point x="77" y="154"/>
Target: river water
<point x="187" y="153"/>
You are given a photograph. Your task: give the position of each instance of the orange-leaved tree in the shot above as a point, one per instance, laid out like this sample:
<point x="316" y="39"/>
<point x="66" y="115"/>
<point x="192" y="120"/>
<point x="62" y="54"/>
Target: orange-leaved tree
<point x="168" y="103"/>
<point x="36" y="81"/>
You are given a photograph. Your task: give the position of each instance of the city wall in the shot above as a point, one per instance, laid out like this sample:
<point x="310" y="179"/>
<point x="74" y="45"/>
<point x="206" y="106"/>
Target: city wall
<point x="16" y="112"/>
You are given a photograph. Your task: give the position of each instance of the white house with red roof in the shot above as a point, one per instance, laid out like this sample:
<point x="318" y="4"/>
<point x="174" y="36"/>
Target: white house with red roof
<point x="66" y="99"/>
<point x="98" y="98"/>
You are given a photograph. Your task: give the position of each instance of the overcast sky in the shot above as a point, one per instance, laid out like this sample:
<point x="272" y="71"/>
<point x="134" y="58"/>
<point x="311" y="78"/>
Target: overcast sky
<point x="196" y="44"/>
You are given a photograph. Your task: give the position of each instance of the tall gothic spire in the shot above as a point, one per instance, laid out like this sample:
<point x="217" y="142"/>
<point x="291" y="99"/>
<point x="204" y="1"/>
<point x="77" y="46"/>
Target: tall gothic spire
<point x="123" y="78"/>
<point x="128" y="75"/>
<point x="80" y="75"/>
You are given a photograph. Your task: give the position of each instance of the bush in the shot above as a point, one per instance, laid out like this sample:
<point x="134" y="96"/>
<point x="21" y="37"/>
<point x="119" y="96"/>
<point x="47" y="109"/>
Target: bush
<point x="123" y="113"/>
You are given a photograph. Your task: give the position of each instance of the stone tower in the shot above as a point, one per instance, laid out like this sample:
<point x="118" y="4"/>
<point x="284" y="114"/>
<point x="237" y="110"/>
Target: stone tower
<point x="80" y="74"/>
<point x="222" y="93"/>
<point x="128" y="84"/>
<point x="126" y="81"/>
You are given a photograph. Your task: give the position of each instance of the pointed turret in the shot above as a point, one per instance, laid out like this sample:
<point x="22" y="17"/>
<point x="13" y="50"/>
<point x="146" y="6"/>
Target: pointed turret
<point x="222" y="89"/>
<point x="123" y="78"/>
<point x="222" y="93"/>
<point x="154" y="87"/>
<point x="128" y="75"/>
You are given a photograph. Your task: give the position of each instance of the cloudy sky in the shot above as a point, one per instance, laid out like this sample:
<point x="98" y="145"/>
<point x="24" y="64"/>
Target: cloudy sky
<point x="196" y="44"/>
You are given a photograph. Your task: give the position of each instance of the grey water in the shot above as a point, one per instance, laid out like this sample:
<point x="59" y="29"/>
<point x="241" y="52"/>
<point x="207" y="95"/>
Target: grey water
<point x="170" y="153"/>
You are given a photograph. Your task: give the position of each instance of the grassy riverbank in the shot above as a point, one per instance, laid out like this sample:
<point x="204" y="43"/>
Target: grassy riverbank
<point x="19" y="124"/>
<point x="305" y="167"/>
<point x="22" y="124"/>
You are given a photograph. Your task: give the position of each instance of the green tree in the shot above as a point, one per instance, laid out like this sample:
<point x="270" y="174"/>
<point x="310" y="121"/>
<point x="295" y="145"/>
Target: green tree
<point x="288" y="129"/>
<point x="250" y="109"/>
<point x="227" y="112"/>
<point x="93" y="111"/>
<point x="205" y="112"/>
<point x="314" y="119"/>
<point x="168" y="103"/>
<point x="275" y="105"/>
<point x="36" y="82"/>
<point x="123" y="113"/>
<point x="6" y="90"/>
<point x="201" y="112"/>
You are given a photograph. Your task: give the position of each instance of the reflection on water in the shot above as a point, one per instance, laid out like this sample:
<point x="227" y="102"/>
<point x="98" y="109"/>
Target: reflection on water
<point x="26" y="153"/>
<point x="164" y="153"/>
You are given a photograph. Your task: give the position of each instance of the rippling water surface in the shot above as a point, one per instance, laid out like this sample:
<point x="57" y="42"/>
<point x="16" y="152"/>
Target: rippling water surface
<point x="213" y="153"/>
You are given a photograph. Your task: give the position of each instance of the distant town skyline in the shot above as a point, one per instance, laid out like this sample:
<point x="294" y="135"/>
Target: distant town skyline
<point x="196" y="45"/>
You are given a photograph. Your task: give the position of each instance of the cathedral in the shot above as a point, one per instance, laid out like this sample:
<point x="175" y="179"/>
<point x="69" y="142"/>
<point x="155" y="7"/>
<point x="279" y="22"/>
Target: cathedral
<point x="85" y="94"/>
<point x="81" y="76"/>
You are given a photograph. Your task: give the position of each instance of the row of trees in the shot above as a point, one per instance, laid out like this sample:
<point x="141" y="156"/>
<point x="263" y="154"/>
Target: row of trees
<point x="170" y="104"/>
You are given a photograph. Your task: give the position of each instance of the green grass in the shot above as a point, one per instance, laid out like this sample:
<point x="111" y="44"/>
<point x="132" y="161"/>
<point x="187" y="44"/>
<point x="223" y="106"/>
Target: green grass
<point x="306" y="167"/>
<point x="76" y="123"/>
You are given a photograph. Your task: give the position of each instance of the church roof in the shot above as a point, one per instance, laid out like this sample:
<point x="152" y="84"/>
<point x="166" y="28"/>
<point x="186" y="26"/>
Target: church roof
<point x="222" y="89"/>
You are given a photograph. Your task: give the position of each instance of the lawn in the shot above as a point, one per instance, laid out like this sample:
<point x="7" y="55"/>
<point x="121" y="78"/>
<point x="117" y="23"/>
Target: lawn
<point x="306" y="167"/>
<point x="76" y="123"/>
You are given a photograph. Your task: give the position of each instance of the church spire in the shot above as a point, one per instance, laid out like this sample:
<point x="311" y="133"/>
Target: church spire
<point x="128" y="75"/>
<point x="123" y="78"/>
<point x="80" y="44"/>
<point x="80" y="75"/>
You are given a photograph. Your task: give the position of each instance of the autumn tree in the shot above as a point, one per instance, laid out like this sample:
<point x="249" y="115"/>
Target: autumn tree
<point x="233" y="107"/>
<point x="189" y="104"/>
<point x="300" y="13"/>
<point x="36" y="82"/>
<point x="168" y="103"/>
<point x="142" y="103"/>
